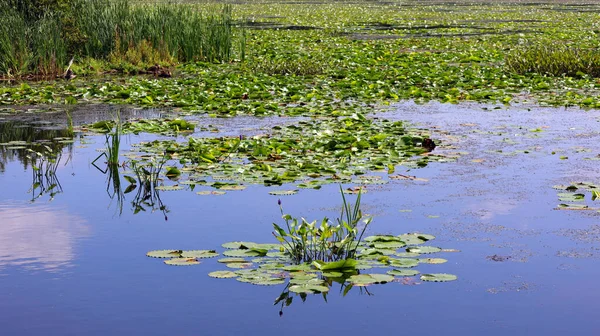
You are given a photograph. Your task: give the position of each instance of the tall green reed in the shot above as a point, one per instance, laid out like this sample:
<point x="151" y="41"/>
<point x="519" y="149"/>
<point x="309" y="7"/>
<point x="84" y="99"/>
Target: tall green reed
<point x="110" y="28"/>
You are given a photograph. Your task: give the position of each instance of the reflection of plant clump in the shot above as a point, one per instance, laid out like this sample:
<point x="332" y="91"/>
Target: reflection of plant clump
<point x="307" y="242"/>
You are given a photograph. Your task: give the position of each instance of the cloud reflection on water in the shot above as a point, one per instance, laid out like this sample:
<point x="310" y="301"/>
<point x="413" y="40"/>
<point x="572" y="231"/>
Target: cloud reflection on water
<point x="38" y="237"/>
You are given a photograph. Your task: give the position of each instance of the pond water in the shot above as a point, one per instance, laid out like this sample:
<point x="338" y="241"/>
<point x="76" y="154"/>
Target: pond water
<point x="73" y="262"/>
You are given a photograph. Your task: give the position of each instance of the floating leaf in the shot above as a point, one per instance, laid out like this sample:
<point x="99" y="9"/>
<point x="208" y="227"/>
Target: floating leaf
<point x="232" y="187"/>
<point x="182" y="261"/>
<point x="308" y="289"/>
<point x="283" y="192"/>
<point x="222" y="274"/>
<point x="432" y="261"/>
<point x="438" y="277"/>
<point x="335" y="265"/>
<point x="239" y="265"/>
<point x="423" y="249"/>
<point x="199" y="254"/>
<point x="169" y="188"/>
<point x="231" y="260"/>
<point x="207" y="192"/>
<point x="404" y="262"/>
<point x="164" y="254"/>
<point x="403" y="273"/>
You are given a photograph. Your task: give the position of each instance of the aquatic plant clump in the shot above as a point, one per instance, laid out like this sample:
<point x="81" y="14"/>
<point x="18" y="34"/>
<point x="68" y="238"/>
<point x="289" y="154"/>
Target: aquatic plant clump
<point x="309" y="150"/>
<point x="329" y="246"/>
<point x="270" y="264"/>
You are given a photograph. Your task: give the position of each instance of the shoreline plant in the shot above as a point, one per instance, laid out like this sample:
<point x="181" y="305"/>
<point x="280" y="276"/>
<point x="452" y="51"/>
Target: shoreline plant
<point x="122" y="32"/>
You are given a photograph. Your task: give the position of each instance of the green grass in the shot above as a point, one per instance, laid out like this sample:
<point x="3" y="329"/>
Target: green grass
<point x="113" y="30"/>
<point x="555" y="60"/>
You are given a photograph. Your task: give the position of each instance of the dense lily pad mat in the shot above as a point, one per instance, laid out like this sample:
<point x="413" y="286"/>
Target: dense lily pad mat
<point x="314" y="152"/>
<point x="363" y="53"/>
<point x="267" y="265"/>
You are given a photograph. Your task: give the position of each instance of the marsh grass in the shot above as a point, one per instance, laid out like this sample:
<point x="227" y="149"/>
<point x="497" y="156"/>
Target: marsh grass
<point x="307" y="242"/>
<point x="554" y="60"/>
<point x="114" y="30"/>
<point x="295" y="66"/>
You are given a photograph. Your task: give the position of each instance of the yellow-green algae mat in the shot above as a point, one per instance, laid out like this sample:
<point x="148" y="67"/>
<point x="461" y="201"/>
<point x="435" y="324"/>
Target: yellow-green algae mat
<point x="266" y="264"/>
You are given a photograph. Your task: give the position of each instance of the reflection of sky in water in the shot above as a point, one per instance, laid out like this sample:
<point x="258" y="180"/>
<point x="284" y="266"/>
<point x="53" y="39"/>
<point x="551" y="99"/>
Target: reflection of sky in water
<point x="37" y="236"/>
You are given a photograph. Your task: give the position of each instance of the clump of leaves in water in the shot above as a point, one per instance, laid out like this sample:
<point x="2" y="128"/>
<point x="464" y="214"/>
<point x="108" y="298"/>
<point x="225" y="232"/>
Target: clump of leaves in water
<point x="308" y="242"/>
<point x="313" y="258"/>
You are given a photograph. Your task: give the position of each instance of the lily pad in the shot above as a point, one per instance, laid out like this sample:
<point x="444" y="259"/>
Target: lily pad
<point x="222" y="274"/>
<point x="208" y="192"/>
<point x="308" y="289"/>
<point x="199" y="254"/>
<point x="283" y="192"/>
<point x="169" y="188"/>
<point x="182" y="261"/>
<point x="432" y="261"/>
<point x="164" y="254"/>
<point x="232" y="187"/>
<point x="438" y="277"/>
<point x="423" y="249"/>
<point x="403" y="273"/>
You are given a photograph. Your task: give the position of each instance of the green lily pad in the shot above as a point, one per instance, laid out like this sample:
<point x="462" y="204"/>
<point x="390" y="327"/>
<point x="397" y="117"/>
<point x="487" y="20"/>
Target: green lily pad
<point x="232" y="260"/>
<point x="432" y="261"/>
<point x="222" y="274"/>
<point x="423" y="249"/>
<point x="164" y="254"/>
<point x="404" y="262"/>
<point x="308" y="289"/>
<point x="239" y="265"/>
<point x="283" y="192"/>
<point x="208" y="192"/>
<point x="438" y="277"/>
<point x="403" y="273"/>
<point x="232" y="187"/>
<point x="199" y="254"/>
<point x="411" y="239"/>
<point x="169" y="188"/>
<point x="182" y="261"/>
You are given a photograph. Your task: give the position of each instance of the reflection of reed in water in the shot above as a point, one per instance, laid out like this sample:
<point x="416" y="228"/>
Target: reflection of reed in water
<point x="111" y="155"/>
<point x="44" y="166"/>
<point x="147" y="177"/>
<point x="31" y="136"/>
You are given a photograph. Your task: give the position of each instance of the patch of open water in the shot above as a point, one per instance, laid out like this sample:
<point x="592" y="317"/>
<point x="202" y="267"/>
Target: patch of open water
<point x="74" y="266"/>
